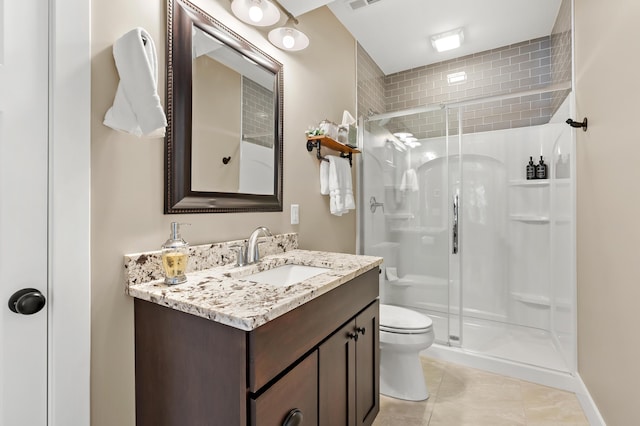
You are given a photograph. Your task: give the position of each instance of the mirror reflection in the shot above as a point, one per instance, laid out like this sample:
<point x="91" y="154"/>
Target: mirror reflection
<point x="232" y="140"/>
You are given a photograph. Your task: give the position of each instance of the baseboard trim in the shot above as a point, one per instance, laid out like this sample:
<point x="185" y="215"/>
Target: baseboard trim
<point x="588" y="404"/>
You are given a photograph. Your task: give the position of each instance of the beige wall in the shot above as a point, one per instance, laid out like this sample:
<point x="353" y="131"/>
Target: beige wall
<point x="607" y="92"/>
<point x="218" y="130"/>
<point x="127" y="178"/>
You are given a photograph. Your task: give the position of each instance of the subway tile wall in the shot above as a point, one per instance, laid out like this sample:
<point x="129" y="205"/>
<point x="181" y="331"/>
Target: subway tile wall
<point x="527" y="65"/>
<point x="561" y="51"/>
<point x="257" y="113"/>
<point x="513" y="68"/>
<point x="370" y="85"/>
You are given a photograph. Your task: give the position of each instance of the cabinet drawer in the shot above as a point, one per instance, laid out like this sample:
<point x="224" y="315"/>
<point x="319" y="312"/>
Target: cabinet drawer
<point x="280" y="342"/>
<point x="298" y="389"/>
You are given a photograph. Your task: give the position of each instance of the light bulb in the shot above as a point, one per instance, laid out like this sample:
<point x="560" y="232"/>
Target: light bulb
<point x="288" y="41"/>
<point x="255" y="12"/>
<point x="288" y="38"/>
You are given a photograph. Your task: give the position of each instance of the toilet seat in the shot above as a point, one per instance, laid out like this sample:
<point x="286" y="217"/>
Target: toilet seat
<point x="395" y="319"/>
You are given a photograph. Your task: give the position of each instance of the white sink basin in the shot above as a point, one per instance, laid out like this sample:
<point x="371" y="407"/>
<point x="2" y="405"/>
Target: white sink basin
<point x="285" y="275"/>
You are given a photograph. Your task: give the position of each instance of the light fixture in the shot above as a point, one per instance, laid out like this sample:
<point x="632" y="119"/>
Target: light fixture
<point x="447" y="41"/>
<point x="261" y="13"/>
<point x="264" y="13"/>
<point x="411" y="142"/>
<point x="403" y="135"/>
<point x="288" y="38"/>
<point x="456" y="77"/>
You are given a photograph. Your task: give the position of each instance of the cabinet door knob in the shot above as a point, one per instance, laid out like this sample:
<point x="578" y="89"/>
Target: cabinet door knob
<point x="294" y="418"/>
<point x="353" y="336"/>
<point x="361" y="330"/>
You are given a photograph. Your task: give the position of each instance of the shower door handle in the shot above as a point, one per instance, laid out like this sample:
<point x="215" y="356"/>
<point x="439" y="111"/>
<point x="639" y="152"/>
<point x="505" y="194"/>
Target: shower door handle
<point x="374" y="204"/>
<point x="454" y="233"/>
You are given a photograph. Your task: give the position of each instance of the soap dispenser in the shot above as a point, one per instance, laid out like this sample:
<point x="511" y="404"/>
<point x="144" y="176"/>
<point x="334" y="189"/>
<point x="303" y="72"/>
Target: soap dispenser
<point x="531" y="169"/>
<point x="541" y="169"/>
<point x="175" y="253"/>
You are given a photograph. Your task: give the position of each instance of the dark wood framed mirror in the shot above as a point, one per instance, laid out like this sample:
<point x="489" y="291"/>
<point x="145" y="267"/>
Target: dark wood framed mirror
<point x="224" y="143"/>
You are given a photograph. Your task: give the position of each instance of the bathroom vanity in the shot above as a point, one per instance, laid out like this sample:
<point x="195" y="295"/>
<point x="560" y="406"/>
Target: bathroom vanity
<point x="222" y="349"/>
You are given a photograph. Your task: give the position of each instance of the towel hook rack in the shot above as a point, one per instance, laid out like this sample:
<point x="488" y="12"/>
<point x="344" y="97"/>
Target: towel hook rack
<point x="578" y="124"/>
<point x="317" y="141"/>
<point x="317" y="145"/>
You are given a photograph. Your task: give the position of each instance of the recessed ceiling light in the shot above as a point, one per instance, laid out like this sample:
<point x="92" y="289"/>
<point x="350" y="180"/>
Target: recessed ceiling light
<point x="447" y="41"/>
<point x="456" y="77"/>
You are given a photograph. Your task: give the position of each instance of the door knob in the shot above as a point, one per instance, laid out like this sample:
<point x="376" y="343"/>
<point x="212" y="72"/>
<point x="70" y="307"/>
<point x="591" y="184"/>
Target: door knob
<point x="361" y="330"/>
<point x="353" y="336"/>
<point x="27" y="301"/>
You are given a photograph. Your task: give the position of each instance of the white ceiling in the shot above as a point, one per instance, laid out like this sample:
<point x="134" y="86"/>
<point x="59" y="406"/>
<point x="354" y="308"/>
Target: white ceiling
<point x="396" y="32"/>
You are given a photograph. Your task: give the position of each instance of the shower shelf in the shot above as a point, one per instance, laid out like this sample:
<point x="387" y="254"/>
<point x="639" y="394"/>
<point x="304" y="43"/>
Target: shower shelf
<point x="319" y="141"/>
<point x="532" y="182"/>
<point x="529" y="218"/>
<point x="532" y="299"/>
<point x="399" y="216"/>
<point x="539" y="182"/>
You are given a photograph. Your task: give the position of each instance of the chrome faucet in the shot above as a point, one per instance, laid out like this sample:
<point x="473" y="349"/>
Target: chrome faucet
<point x="253" y="254"/>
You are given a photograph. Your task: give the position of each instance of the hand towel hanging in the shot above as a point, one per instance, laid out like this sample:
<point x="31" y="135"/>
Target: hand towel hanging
<point x="409" y="181"/>
<point x="340" y="186"/>
<point x="136" y="107"/>
<point x="324" y="177"/>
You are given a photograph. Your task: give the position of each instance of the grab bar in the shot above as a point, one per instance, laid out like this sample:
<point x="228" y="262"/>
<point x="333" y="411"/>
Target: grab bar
<point x="455" y="225"/>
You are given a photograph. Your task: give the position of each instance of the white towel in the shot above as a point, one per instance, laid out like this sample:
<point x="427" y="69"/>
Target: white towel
<point x="136" y="107"/>
<point x="340" y="186"/>
<point x="392" y="273"/>
<point x="409" y="181"/>
<point x="324" y="177"/>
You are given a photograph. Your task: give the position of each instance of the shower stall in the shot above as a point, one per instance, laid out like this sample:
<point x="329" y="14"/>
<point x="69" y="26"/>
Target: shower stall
<point x="466" y="238"/>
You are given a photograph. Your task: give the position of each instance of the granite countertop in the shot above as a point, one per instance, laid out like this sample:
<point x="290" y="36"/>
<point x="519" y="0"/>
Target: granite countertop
<point x="221" y="294"/>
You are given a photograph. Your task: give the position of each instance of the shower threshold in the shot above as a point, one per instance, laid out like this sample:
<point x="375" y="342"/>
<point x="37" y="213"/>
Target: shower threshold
<point x="509" y="342"/>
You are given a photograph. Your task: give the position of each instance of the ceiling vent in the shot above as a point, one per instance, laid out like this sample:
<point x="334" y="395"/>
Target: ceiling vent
<point x="358" y="4"/>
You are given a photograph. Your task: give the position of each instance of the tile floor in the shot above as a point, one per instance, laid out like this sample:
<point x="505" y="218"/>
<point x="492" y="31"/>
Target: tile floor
<point x="462" y="396"/>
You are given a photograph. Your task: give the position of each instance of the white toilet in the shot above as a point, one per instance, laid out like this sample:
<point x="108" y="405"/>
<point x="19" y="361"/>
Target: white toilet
<point x="403" y="334"/>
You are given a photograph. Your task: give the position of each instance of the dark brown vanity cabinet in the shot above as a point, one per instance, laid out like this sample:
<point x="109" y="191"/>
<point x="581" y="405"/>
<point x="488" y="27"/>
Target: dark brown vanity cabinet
<point x="348" y="368"/>
<point x="318" y="362"/>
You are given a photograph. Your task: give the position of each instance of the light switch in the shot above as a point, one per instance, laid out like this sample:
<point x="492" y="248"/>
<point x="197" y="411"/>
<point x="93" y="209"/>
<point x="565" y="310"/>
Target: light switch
<point x="295" y="214"/>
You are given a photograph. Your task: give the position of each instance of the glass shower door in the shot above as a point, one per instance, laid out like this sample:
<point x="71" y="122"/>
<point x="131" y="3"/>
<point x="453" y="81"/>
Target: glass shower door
<point x="516" y="261"/>
<point x="408" y="213"/>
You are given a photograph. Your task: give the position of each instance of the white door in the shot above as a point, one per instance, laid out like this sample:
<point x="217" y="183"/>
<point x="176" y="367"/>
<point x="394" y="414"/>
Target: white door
<point x="23" y="209"/>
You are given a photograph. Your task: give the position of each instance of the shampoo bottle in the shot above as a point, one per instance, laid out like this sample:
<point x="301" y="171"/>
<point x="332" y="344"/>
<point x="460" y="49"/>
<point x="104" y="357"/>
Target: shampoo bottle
<point x="562" y="167"/>
<point x="541" y="169"/>
<point x="175" y="253"/>
<point x="531" y="169"/>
